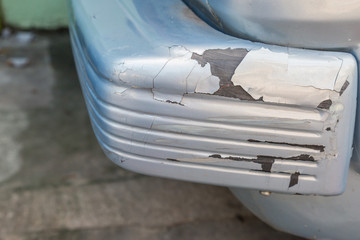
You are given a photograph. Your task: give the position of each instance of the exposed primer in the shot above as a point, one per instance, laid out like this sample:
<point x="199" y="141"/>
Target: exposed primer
<point x="326" y="104"/>
<point x="344" y="87"/>
<point x="223" y="63"/>
<point x="319" y="148"/>
<point x="294" y="179"/>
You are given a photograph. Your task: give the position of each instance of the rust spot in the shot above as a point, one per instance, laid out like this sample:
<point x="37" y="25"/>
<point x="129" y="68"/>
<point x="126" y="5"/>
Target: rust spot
<point x="294" y="179"/>
<point x="344" y="87"/>
<point x="320" y="148"/>
<point x="325" y="104"/>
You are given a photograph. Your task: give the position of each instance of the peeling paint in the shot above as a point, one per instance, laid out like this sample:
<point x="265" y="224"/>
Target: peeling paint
<point x="223" y="62"/>
<point x="326" y="104"/>
<point x="344" y="87"/>
<point x="235" y="92"/>
<point x="269" y="76"/>
<point x="172" y="159"/>
<point x="294" y="179"/>
<point x="168" y="101"/>
<point x="264" y="92"/>
<point x="266" y="162"/>
<point x="320" y="148"/>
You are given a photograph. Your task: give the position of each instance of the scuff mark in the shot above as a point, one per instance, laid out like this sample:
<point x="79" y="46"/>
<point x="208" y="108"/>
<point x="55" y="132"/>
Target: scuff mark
<point x="294" y="179"/>
<point x="319" y="148"/>
<point x="326" y="104"/>
<point x="344" y="87"/>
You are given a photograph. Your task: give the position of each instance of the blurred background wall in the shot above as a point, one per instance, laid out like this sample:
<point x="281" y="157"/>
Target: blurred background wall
<point x="34" y="14"/>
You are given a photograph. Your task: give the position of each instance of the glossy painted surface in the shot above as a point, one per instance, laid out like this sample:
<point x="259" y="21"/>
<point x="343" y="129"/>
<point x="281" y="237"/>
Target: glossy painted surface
<point x="306" y="23"/>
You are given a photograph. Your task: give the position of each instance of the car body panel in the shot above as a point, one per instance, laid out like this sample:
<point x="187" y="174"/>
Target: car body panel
<point x="170" y="96"/>
<point x="326" y="24"/>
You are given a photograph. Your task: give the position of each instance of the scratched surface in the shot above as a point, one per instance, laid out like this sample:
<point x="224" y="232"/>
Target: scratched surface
<point x="59" y="184"/>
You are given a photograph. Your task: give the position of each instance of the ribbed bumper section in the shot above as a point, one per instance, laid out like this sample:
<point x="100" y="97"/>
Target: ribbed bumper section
<point x="224" y="112"/>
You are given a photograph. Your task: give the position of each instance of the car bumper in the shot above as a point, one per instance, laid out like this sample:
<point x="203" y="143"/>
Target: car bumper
<point x="170" y="96"/>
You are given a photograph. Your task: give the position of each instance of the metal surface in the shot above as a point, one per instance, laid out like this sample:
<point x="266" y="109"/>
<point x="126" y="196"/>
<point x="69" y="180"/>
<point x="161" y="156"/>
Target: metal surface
<point x="170" y="96"/>
<point x="306" y="23"/>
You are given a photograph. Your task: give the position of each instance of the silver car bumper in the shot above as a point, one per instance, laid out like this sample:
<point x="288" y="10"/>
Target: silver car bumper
<point x="170" y="96"/>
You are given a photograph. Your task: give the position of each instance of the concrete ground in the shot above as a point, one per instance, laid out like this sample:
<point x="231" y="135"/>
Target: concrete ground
<point x="57" y="183"/>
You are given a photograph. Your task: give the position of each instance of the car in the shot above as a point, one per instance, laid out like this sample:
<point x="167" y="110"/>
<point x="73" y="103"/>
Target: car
<point x="256" y="96"/>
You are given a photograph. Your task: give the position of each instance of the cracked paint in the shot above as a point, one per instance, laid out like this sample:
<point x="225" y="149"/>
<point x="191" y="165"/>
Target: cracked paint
<point x="266" y="162"/>
<point x="199" y="97"/>
<point x="252" y="75"/>
<point x="320" y="148"/>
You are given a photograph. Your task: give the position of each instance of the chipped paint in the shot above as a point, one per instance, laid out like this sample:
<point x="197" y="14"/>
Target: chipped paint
<point x="302" y="157"/>
<point x="223" y="63"/>
<point x="266" y="162"/>
<point x="185" y="91"/>
<point x="294" y="179"/>
<point x="326" y="104"/>
<point x="252" y="75"/>
<point x="344" y="87"/>
<point x="320" y="148"/>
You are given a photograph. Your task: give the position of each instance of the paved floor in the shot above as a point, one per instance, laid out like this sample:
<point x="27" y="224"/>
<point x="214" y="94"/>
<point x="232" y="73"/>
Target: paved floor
<point x="57" y="183"/>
